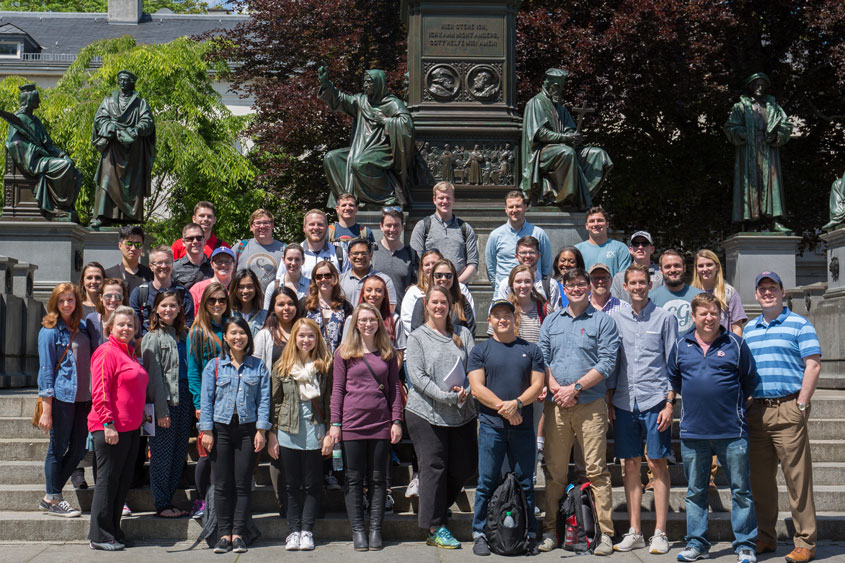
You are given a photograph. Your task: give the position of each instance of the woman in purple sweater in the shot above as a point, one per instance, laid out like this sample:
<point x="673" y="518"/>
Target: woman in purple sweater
<point x="366" y="416"/>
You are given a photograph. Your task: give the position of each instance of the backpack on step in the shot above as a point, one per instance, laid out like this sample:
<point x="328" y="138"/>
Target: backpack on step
<point x="507" y="519"/>
<point x="578" y="521"/>
<point x="209" y="524"/>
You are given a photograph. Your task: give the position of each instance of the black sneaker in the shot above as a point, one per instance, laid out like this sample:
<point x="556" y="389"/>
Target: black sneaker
<point x="44" y="505"/>
<point x="64" y="509"/>
<point x="223" y="546"/>
<point x="239" y="545"/>
<point x="480" y="547"/>
<point x="106" y="545"/>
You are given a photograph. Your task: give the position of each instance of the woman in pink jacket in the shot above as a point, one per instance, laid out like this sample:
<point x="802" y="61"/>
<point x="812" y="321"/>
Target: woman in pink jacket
<point x="118" y="392"/>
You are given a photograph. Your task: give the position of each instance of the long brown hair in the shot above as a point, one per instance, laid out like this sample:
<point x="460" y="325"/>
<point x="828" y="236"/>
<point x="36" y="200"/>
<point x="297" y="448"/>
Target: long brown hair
<point x="52" y="317"/>
<point x="384" y="308"/>
<point x="271" y="323"/>
<point x="457" y="299"/>
<point x="422" y="278"/>
<point x="155" y="319"/>
<point x="450" y="326"/>
<point x="101" y="308"/>
<point x="312" y="300"/>
<point x="535" y="295"/>
<point x="204" y="342"/>
<point x="319" y="354"/>
<point x="353" y="346"/>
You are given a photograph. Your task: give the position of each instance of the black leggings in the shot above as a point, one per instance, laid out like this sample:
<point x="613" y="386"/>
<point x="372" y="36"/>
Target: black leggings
<point x="365" y="460"/>
<point x="232" y="460"/>
<point x="303" y="471"/>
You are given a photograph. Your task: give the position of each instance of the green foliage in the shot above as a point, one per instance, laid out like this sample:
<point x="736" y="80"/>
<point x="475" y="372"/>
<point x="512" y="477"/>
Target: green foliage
<point x="199" y="154"/>
<point x="150" y="6"/>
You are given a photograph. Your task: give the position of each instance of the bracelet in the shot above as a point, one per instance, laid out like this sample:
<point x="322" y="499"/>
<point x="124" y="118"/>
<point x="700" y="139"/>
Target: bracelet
<point x="397" y="421"/>
<point x="107" y="424"/>
<point x="336" y="424"/>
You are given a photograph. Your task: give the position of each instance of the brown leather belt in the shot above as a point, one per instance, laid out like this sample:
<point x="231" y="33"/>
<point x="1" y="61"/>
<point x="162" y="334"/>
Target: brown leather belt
<point x="775" y="401"/>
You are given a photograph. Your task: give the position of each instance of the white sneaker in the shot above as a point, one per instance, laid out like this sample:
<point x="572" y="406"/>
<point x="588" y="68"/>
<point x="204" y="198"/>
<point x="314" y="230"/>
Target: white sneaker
<point x="306" y="541"/>
<point x="605" y="545"/>
<point x="126" y="511"/>
<point x="548" y="543"/>
<point x="659" y="543"/>
<point x="292" y="542"/>
<point x="746" y="555"/>
<point x="413" y="488"/>
<point x="631" y="540"/>
<point x="692" y="553"/>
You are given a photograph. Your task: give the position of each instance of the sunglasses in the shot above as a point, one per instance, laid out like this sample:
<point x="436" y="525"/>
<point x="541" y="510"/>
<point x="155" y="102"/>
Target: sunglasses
<point x="133" y="244"/>
<point x="443" y="275"/>
<point x="217" y="300"/>
<point x="390" y="208"/>
<point x="319" y="277"/>
<point x="113" y="297"/>
<point x="196" y="238"/>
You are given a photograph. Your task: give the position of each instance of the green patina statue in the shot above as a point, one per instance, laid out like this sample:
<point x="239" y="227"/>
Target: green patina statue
<point x="758" y="127"/>
<point x="34" y="154"/>
<point x="124" y="135"/>
<point x="376" y="167"/>
<point x="837" y="204"/>
<point x="554" y="169"/>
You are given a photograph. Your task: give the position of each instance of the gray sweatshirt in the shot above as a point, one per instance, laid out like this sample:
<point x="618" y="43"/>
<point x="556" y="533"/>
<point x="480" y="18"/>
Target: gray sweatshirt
<point x="430" y="356"/>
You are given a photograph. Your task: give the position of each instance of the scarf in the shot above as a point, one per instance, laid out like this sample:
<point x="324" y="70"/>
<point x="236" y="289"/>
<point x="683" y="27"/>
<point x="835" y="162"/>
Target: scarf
<point x="306" y="379"/>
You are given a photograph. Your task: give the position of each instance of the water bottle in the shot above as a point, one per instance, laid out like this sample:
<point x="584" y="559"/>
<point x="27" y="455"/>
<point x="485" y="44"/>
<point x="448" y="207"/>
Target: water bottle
<point x="337" y="458"/>
<point x="508" y="522"/>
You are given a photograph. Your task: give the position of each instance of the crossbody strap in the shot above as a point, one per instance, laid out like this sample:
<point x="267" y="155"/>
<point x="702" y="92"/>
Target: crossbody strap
<point x="61" y="359"/>
<point x="379" y="383"/>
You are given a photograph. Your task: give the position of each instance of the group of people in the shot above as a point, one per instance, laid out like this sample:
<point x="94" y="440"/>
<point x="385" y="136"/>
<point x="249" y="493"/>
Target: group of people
<point x="335" y="346"/>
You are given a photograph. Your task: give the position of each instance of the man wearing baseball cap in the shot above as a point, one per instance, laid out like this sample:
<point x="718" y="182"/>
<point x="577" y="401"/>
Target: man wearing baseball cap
<point x="600" y="297"/>
<point x="506" y="375"/>
<point x="641" y="248"/>
<point x="223" y="265"/>
<point x="787" y="352"/>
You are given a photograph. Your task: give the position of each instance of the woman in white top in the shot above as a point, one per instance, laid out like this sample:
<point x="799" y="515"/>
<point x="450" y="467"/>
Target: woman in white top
<point x="246" y="299"/>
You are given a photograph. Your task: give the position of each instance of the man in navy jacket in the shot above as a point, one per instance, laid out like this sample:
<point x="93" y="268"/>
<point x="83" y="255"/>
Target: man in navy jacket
<point x="713" y="370"/>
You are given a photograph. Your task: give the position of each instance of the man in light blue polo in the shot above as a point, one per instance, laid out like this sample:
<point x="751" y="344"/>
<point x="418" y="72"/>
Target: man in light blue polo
<point x="640" y="400"/>
<point x="501" y="252"/>
<point x="599" y="247"/>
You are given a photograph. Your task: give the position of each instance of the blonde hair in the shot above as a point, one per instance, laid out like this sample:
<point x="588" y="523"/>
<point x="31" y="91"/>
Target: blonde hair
<point x="719" y="290"/>
<point x="319" y="354"/>
<point x="443" y="187"/>
<point x="353" y="346"/>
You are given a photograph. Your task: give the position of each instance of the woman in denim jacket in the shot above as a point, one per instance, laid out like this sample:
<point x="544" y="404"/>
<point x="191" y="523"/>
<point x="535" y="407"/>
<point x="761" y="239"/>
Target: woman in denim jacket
<point x="64" y="385"/>
<point x="236" y="407"/>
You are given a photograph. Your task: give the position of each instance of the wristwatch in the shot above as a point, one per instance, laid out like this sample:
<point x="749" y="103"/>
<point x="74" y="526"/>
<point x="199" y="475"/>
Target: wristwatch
<point x="802" y="407"/>
<point x="518" y="404"/>
<point x="578" y="387"/>
<point x="672" y="401"/>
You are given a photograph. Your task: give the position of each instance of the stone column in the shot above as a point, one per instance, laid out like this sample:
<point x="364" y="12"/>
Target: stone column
<point x="748" y="254"/>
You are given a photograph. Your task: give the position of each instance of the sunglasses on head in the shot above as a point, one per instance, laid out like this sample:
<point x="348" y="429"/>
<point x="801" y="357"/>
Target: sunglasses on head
<point x="390" y="208"/>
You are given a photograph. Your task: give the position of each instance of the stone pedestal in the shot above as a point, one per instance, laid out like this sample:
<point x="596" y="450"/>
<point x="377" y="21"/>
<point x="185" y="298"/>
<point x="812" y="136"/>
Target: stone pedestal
<point x="56" y="248"/>
<point x="20" y="321"/>
<point x="835" y="243"/>
<point x="101" y="246"/>
<point x="748" y="254"/>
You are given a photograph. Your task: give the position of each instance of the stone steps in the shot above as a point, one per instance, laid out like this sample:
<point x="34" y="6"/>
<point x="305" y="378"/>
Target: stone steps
<point x="335" y="526"/>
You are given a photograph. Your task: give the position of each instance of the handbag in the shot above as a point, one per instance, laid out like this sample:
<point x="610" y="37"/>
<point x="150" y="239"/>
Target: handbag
<point x="39" y="404"/>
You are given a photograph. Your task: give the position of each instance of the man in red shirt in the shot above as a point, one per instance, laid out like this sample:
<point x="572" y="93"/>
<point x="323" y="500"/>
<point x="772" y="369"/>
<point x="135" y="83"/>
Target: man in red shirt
<point x="205" y="217"/>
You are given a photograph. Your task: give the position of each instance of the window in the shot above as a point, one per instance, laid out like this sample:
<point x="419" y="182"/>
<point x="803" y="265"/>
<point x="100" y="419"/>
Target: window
<point x="10" y="50"/>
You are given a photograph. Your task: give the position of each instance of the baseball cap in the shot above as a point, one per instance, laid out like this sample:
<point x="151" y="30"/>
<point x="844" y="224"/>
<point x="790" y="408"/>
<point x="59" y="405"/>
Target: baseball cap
<point x="223" y="250"/>
<point x="501" y="303"/>
<point x="599" y="266"/>
<point x="771" y="275"/>
<point x="641" y="234"/>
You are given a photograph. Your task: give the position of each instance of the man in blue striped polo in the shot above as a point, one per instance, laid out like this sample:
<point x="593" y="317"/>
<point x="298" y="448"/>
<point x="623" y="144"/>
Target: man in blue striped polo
<point x="787" y="353"/>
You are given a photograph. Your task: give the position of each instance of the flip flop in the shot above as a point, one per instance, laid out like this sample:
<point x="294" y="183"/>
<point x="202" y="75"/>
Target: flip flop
<point x="174" y="512"/>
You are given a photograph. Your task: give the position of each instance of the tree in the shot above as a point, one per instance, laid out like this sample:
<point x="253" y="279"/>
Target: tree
<point x="150" y="6"/>
<point x="198" y="140"/>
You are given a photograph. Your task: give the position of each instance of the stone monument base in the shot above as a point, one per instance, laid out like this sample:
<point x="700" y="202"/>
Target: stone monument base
<point x="748" y="254"/>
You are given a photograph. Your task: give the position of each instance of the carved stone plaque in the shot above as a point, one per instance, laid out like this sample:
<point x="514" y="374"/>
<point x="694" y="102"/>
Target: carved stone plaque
<point x="467" y="36"/>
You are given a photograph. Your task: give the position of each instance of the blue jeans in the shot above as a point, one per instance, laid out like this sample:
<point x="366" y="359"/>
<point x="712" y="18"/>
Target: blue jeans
<point x="733" y="455"/>
<point x="68" y="436"/>
<point x="493" y="445"/>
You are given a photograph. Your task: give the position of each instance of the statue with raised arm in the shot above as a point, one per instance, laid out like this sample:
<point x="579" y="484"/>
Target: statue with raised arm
<point x="57" y="181"/>
<point x="377" y="165"/>
<point x="554" y="169"/>
<point x="758" y="127"/>
<point x="124" y="135"/>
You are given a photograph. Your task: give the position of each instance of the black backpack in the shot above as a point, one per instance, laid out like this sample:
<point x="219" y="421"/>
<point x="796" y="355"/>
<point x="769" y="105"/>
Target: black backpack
<point x="209" y="525"/>
<point x="577" y="520"/>
<point x="507" y="498"/>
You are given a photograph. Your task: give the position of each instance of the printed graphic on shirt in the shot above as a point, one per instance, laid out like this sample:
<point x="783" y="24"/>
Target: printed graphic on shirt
<point x="682" y="311"/>
<point x="264" y="265"/>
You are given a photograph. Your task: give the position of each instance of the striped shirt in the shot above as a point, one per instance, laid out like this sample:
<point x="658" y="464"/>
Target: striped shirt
<point x="779" y="349"/>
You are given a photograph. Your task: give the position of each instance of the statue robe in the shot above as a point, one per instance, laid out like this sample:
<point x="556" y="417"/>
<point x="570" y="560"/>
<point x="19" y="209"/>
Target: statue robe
<point x="376" y="167"/>
<point x="758" y="181"/>
<point x="837" y="204"/>
<point x="126" y="142"/>
<point x="34" y="154"/>
<point x="553" y="169"/>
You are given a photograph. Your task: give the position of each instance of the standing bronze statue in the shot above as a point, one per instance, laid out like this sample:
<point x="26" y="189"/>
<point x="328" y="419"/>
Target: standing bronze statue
<point x="837" y="204"/>
<point x="758" y="127"/>
<point x="554" y="170"/>
<point x="124" y="135"/>
<point x="376" y="167"/>
<point x="34" y="154"/>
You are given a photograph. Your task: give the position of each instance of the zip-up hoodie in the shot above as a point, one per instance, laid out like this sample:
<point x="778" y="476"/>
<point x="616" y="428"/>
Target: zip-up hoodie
<point x="118" y="388"/>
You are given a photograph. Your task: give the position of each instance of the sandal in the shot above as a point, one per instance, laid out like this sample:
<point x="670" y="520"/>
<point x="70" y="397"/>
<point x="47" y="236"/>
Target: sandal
<point x="174" y="512"/>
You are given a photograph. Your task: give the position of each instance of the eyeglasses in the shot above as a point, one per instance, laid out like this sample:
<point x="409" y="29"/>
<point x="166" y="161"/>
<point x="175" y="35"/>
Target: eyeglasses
<point x="581" y="285"/>
<point x="113" y="297"/>
<point x="358" y="254"/>
<point x="600" y="279"/>
<point x="133" y="244"/>
<point x="389" y="208"/>
<point x="367" y="321"/>
<point x="217" y="300"/>
<point x="320" y="277"/>
<point x="262" y="223"/>
<point x="196" y="238"/>
<point x="443" y="275"/>
<point x="527" y="253"/>
<point x="160" y="264"/>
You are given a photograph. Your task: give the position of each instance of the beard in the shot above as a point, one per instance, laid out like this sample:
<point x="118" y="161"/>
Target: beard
<point x="677" y="283"/>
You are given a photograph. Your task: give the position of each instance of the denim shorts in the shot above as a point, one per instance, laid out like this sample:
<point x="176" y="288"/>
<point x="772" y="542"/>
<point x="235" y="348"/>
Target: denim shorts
<point x="632" y="428"/>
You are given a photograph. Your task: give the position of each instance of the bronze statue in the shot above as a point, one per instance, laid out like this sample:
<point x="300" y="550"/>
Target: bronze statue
<point x="837" y="204"/>
<point x="34" y="154"/>
<point x="554" y="170"/>
<point x="124" y="135"/>
<point x="758" y="127"/>
<point x="476" y="159"/>
<point x="376" y="167"/>
<point x="447" y="164"/>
